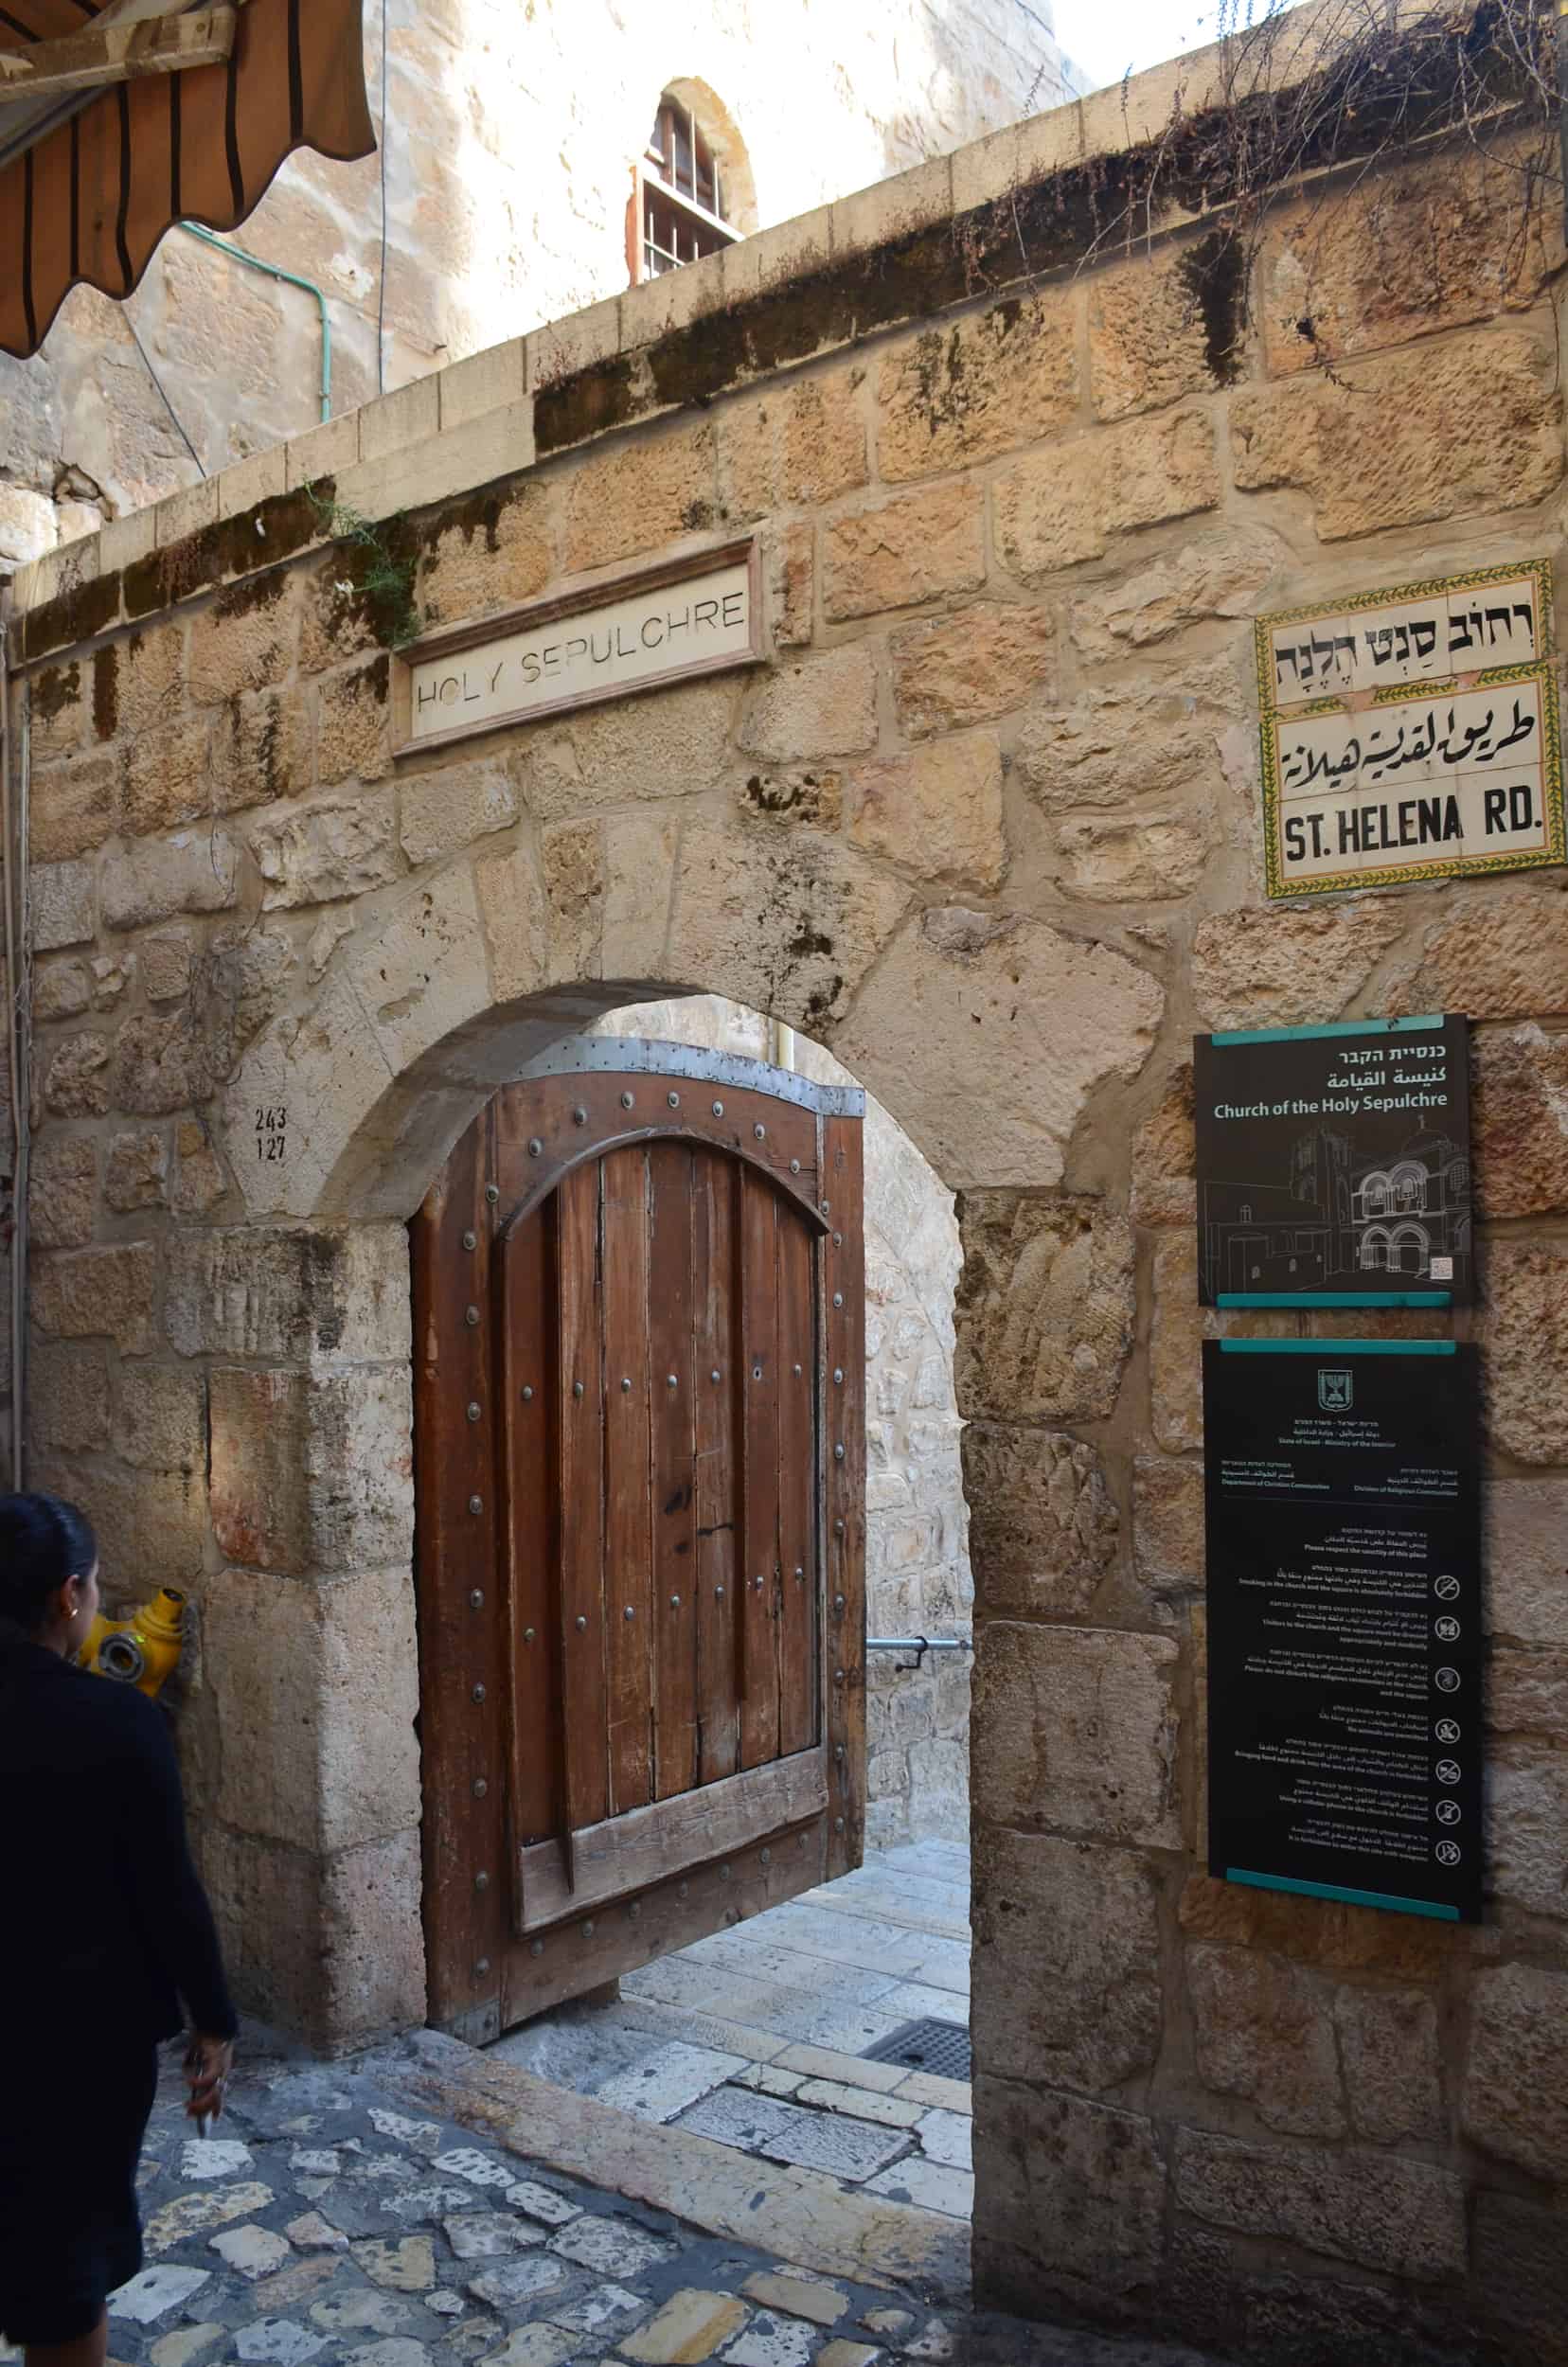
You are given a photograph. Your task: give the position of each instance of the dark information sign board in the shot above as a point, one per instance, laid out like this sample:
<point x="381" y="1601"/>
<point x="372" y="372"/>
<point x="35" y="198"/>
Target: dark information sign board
<point x="1333" y="1166"/>
<point x="1342" y="1495"/>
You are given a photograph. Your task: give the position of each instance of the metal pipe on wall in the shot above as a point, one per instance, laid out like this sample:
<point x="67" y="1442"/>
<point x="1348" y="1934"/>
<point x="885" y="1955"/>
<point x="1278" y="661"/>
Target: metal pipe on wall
<point x="14" y="755"/>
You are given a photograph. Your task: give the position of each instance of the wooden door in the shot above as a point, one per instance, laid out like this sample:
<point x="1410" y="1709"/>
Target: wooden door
<point x="639" y="1476"/>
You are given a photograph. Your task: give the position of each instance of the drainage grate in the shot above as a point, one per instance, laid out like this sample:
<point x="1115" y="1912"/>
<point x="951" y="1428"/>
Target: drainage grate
<point x="941" y="2047"/>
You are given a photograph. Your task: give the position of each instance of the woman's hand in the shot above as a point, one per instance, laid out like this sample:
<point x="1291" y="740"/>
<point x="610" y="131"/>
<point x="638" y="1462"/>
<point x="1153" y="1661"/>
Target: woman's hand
<point x="207" y="2064"/>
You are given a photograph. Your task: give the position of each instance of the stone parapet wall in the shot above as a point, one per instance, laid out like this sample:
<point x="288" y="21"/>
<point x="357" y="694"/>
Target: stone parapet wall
<point x="985" y="824"/>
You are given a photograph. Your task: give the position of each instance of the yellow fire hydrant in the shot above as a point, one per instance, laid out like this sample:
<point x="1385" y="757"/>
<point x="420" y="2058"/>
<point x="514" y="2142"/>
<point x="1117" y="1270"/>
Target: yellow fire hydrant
<point x="142" y="1650"/>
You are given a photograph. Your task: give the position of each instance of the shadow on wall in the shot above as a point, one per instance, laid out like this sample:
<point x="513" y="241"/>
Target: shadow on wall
<point x="916" y="1553"/>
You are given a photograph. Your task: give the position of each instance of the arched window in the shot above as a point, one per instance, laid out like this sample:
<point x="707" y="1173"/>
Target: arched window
<point x="684" y="202"/>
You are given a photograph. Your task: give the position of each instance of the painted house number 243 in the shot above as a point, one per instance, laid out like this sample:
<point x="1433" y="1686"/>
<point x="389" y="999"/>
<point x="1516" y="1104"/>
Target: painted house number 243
<point x="269" y="1134"/>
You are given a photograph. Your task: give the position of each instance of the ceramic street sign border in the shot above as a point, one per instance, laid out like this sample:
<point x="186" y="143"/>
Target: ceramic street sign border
<point x="1410" y="733"/>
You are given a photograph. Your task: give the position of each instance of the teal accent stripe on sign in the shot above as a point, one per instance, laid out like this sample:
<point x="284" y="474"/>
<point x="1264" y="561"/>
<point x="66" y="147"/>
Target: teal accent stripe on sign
<point x="1329" y="1349"/>
<point x="1337" y="1298"/>
<point x="1340" y="1027"/>
<point x="1352" y="1898"/>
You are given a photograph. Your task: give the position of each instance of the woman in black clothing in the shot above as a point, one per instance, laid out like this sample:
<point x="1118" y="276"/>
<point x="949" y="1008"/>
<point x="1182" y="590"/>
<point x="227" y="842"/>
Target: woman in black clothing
<point x="105" y="1931"/>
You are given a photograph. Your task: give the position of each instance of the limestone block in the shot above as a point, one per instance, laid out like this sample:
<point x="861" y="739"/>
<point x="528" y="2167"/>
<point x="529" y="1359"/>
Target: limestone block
<point x="640" y="862"/>
<point x="1263" y="2030"/>
<point x="1390" y="2050"/>
<point x="366" y="1975"/>
<point x="937" y="811"/>
<point x="1075" y="1730"/>
<point x="261" y="750"/>
<point x="199" y="1183"/>
<point x="27" y="525"/>
<point x="61" y="1191"/>
<point x="316" y="1691"/>
<point x="808" y="707"/>
<point x="153" y="1524"/>
<point x="167" y="1060"/>
<point x="168" y="776"/>
<point x="244" y="641"/>
<point x="137" y="1172"/>
<point x="61" y="899"/>
<point x="58" y="715"/>
<point x="984" y="661"/>
<point x="71" y="807"/>
<point x="1164" y="1159"/>
<point x="139" y="682"/>
<point x="1148" y="345"/>
<point x="335" y="618"/>
<point x="451" y="807"/>
<point x="898" y="553"/>
<point x="789" y="571"/>
<point x="665" y="745"/>
<point x="97" y="1294"/>
<point x="497" y="552"/>
<point x="1167" y="1523"/>
<point x="1402" y="2218"/>
<point x="1526" y="1522"/>
<point x="67" y="1398"/>
<point x="1472" y="424"/>
<point x="511" y="905"/>
<point x="1526" y="1806"/>
<point x="76" y="1084"/>
<point x="1519" y="1123"/>
<point x="1043" y="1525"/>
<point x="424" y="971"/>
<point x="310" y="1296"/>
<point x="1110" y="746"/>
<point x="311" y="854"/>
<point x="800" y="445"/>
<point x="1044" y="1308"/>
<point x="353" y="738"/>
<point x="1520" y="2277"/>
<point x="161" y="1419"/>
<point x="1316" y="1931"/>
<point x="1070" y="2197"/>
<point x="166" y="965"/>
<point x="311" y="1471"/>
<point x="1231" y="571"/>
<point x="789" y="926"/>
<point x="1506" y="957"/>
<point x="62" y="990"/>
<point x="195" y="871"/>
<point x="1063" y="504"/>
<point x="1515" y="2101"/>
<point x="1143" y="858"/>
<point x="572" y="872"/>
<point x="1524" y="1337"/>
<point x="812" y="794"/>
<point x="1528" y="1692"/>
<point x="1180" y="1327"/>
<point x="985" y="385"/>
<point x="954" y="1008"/>
<point x="647" y="493"/>
<point x="327" y="1073"/>
<point x="1285" y="968"/>
<point x="1401" y="254"/>
<point x="111" y="974"/>
<point x="1067" y="1963"/>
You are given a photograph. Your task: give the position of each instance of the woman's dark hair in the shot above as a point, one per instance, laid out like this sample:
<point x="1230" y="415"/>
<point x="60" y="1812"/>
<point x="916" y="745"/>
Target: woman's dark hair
<point x="42" y="1542"/>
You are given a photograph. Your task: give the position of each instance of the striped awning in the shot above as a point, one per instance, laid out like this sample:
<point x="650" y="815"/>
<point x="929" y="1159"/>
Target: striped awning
<point x="89" y="186"/>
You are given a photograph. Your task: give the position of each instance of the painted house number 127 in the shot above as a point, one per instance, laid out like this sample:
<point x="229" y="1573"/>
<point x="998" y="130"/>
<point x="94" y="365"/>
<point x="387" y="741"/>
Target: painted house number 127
<point x="270" y="1127"/>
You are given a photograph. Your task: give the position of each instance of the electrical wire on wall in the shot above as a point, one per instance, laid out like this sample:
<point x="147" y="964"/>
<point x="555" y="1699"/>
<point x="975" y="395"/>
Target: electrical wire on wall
<point x="381" y="299"/>
<point x="163" y="391"/>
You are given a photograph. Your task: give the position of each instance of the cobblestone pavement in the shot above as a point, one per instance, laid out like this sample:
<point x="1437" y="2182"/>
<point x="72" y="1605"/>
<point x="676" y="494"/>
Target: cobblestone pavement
<point x="757" y="2036"/>
<point x="326" y="2222"/>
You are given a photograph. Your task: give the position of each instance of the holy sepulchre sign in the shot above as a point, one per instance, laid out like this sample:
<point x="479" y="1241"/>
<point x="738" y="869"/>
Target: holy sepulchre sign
<point x="603" y="638"/>
<point x="1410" y="733"/>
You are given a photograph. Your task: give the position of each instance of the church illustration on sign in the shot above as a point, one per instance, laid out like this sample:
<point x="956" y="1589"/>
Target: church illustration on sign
<point x="1401" y="1222"/>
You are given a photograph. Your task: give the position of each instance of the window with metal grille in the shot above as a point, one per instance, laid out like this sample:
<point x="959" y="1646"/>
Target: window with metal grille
<point x="679" y="201"/>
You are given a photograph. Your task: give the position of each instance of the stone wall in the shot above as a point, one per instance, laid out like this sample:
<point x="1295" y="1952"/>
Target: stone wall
<point x="916" y="1553"/>
<point x="511" y="133"/>
<point x="985" y="824"/>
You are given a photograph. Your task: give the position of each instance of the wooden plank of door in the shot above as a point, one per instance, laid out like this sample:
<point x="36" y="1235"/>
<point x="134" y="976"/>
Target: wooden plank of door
<point x="671" y="1351"/>
<point x="625" y="1854"/>
<point x="758" y="1616"/>
<point x="628" y="1525"/>
<point x="461" y="1731"/>
<point x="715" y="1254"/>
<point x="528" y="1521"/>
<point x="580" y="1396"/>
<point x="843" y="1463"/>
<point x="799" y="1605"/>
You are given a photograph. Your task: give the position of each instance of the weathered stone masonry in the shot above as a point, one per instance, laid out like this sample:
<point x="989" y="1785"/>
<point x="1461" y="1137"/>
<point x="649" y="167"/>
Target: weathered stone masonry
<point x="986" y="825"/>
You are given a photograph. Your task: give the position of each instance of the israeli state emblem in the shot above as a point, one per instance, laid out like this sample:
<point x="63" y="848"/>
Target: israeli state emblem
<point x="1336" y="1391"/>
